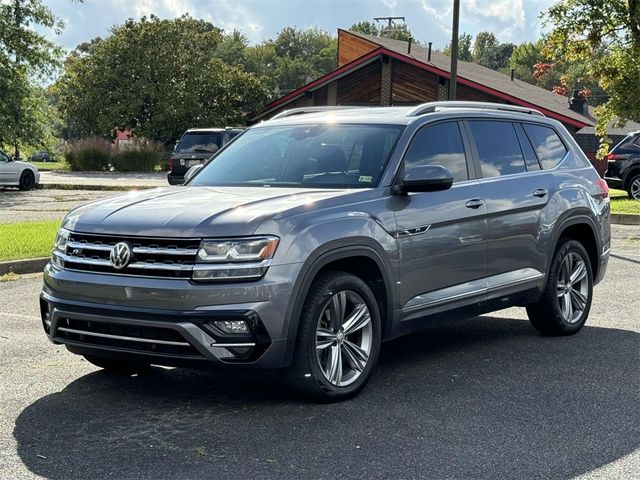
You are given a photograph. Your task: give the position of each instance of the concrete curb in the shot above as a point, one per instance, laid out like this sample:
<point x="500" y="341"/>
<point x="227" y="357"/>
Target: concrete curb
<point x="625" y="219"/>
<point x="30" y="265"/>
<point x="67" y="186"/>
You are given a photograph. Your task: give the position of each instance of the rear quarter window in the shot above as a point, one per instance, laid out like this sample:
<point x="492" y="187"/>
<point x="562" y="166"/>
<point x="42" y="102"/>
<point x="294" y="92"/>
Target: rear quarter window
<point x="547" y="144"/>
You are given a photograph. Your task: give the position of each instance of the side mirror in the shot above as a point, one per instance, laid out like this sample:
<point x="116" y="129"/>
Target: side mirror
<point x="425" y="178"/>
<point x="191" y="172"/>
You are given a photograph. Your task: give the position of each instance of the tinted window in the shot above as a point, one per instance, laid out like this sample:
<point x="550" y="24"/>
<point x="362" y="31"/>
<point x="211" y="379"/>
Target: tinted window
<point x="529" y="155"/>
<point x="3" y="157"/>
<point x="498" y="148"/>
<point x="439" y="144"/>
<point x="317" y="155"/>
<point x="199" y="142"/>
<point x="548" y="146"/>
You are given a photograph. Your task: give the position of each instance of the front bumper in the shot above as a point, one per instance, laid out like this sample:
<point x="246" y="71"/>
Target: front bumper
<point x="167" y="321"/>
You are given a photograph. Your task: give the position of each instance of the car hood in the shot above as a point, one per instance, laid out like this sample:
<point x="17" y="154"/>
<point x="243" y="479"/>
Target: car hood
<point x="192" y="211"/>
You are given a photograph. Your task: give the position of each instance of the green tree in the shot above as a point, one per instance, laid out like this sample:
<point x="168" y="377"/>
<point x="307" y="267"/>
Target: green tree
<point x="293" y="58"/>
<point x="157" y="78"/>
<point x="366" y="27"/>
<point x="25" y="53"/>
<point x="496" y="57"/>
<point x="483" y="43"/>
<point x="605" y="38"/>
<point x="397" y="32"/>
<point x="464" y="48"/>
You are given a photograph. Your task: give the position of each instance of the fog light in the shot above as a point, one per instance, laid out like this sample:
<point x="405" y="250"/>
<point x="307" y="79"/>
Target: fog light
<point x="232" y="326"/>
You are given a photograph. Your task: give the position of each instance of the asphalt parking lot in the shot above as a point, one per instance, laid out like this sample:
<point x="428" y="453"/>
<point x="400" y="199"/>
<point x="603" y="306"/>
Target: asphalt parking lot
<point x="35" y="205"/>
<point x="480" y="398"/>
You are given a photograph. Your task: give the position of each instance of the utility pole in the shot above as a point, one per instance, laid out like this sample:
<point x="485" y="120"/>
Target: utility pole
<point x="389" y="21"/>
<point x="18" y="117"/>
<point x="454" y="50"/>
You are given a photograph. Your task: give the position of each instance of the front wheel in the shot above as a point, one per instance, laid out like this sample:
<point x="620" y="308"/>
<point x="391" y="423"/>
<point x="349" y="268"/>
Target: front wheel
<point x="27" y="180"/>
<point x="338" y="339"/>
<point x="564" y="306"/>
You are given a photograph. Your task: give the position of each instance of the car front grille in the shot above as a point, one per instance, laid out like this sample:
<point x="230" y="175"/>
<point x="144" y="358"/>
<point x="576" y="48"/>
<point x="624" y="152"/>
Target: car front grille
<point x="135" y="338"/>
<point x="151" y="257"/>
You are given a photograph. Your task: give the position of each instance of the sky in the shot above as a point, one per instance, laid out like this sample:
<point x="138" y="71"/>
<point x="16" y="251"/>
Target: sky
<point x="513" y="21"/>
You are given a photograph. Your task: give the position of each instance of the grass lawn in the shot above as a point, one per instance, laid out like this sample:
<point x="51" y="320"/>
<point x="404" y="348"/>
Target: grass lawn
<point x="51" y="166"/>
<point x="614" y="193"/>
<point x="27" y="240"/>
<point x="625" y="205"/>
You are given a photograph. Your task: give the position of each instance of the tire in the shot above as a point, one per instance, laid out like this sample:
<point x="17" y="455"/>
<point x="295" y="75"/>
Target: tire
<point x="321" y="339"/>
<point x="564" y="306"/>
<point x="115" y="366"/>
<point x="634" y="187"/>
<point x="27" y="180"/>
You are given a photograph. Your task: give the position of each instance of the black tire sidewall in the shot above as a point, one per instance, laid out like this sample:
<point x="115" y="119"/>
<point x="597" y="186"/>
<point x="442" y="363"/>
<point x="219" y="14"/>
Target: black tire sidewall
<point x="330" y="284"/>
<point x="27" y="174"/>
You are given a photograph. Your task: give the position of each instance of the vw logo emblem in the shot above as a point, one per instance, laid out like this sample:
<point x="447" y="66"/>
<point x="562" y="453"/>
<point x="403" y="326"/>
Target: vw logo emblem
<point x="120" y="255"/>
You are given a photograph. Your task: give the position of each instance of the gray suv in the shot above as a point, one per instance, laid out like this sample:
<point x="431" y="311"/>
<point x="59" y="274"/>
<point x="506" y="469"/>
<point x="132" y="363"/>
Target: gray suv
<point x="317" y="235"/>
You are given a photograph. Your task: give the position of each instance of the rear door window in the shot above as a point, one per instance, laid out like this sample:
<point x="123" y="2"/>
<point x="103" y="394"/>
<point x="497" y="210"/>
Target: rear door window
<point x="498" y="148"/>
<point x="547" y="144"/>
<point x="439" y="144"/>
<point x="529" y="155"/>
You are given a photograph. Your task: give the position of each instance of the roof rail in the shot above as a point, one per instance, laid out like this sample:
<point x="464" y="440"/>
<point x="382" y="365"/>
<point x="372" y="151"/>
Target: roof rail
<point x="431" y="107"/>
<point x="303" y="110"/>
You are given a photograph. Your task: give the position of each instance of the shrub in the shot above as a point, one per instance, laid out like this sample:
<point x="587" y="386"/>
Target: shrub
<point x="89" y="154"/>
<point x="140" y="155"/>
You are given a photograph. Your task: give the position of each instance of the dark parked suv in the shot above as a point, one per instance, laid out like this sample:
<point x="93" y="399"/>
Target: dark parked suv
<point x="316" y="236"/>
<point x="623" y="169"/>
<point x="195" y="147"/>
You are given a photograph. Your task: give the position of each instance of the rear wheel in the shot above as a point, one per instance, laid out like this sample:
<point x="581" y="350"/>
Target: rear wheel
<point x="115" y="366"/>
<point x="338" y="339"/>
<point x="27" y="180"/>
<point x="634" y="187"/>
<point x="564" y="306"/>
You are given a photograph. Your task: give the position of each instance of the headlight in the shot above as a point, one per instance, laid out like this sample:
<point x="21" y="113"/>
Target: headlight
<point x="234" y="259"/>
<point x="60" y="246"/>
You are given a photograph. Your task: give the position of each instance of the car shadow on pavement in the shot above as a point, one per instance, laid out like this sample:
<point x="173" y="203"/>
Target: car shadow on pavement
<point x="480" y="398"/>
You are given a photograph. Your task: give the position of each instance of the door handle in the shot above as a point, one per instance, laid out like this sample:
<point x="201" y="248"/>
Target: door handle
<point x="475" y="203"/>
<point x="540" y="192"/>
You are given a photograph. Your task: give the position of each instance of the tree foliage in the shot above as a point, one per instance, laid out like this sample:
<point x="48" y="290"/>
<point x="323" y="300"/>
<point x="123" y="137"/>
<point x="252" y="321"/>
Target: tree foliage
<point x="465" y="53"/>
<point x="605" y="38"/>
<point x="25" y="54"/>
<point x="293" y="58"/>
<point x="157" y="78"/>
<point x="397" y="32"/>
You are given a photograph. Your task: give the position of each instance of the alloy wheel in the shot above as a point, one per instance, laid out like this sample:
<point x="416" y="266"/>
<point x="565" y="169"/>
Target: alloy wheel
<point x="572" y="287"/>
<point x="635" y="188"/>
<point x="344" y="337"/>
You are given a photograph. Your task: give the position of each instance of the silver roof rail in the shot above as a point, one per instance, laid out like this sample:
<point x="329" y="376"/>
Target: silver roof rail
<point x="431" y="107"/>
<point x="303" y="110"/>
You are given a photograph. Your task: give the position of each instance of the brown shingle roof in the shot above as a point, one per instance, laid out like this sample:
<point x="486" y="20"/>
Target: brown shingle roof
<point x="485" y="76"/>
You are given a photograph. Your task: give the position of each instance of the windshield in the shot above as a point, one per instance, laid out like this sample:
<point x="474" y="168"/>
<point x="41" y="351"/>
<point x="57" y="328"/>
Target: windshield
<point x="320" y="156"/>
<point x="194" y="142"/>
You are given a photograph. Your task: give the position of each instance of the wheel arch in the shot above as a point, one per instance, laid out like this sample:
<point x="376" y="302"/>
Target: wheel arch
<point x="356" y="256"/>
<point x="581" y="228"/>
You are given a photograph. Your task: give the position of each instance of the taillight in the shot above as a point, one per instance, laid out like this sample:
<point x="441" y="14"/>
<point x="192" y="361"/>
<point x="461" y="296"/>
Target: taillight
<point x="612" y="157"/>
<point x="603" y="188"/>
<point x="170" y="163"/>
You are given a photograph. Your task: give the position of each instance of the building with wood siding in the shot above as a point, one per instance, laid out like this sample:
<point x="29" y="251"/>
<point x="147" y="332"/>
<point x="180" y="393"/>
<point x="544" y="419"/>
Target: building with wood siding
<point x="376" y="71"/>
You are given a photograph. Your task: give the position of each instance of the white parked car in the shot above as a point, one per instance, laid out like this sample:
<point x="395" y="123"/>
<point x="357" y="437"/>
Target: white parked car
<point x="17" y="174"/>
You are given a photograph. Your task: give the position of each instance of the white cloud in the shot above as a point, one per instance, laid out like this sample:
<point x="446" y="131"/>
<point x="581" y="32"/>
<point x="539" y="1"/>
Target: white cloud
<point x="505" y="18"/>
